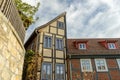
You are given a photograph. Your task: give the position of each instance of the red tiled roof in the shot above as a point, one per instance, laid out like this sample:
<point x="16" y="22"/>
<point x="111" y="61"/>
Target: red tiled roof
<point x="93" y="46"/>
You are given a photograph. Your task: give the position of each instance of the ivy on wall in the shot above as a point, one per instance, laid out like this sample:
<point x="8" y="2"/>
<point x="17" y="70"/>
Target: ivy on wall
<point x="30" y="65"/>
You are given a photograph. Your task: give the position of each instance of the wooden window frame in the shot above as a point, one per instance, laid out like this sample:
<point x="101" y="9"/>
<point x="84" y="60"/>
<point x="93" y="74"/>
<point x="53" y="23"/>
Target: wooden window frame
<point x="105" y="65"/>
<point x="111" y="44"/>
<point x="47" y="44"/>
<point x="118" y="62"/>
<point x="60" y="25"/>
<point x="83" y="47"/>
<point x="63" y="67"/>
<point x="43" y="64"/>
<point x="90" y="65"/>
<point x="59" y="45"/>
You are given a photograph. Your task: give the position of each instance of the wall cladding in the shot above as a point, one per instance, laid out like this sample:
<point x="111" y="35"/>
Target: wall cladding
<point x="8" y="8"/>
<point x="11" y="51"/>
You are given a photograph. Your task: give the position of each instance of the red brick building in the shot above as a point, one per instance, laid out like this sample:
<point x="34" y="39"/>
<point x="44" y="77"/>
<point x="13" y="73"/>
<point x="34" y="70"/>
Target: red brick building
<point x="93" y="59"/>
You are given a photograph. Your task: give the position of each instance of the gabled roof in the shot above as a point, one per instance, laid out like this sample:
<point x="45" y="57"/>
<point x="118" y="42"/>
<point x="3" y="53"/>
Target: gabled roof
<point x="44" y="25"/>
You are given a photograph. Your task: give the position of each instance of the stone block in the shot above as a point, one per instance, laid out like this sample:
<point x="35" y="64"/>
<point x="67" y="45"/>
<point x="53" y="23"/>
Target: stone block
<point x="2" y="62"/>
<point x="6" y="75"/>
<point x="11" y="52"/>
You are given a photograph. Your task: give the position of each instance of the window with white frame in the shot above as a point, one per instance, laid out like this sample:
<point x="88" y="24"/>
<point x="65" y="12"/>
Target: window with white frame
<point x="86" y="65"/>
<point x="118" y="61"/>
<point x="59" y="43"/>
<point x="47" y="41"/>
<point x="60" y="25"/>
<point x="59" y="72"/>
<point x="82" y="45"/>
<point x="101" y="65"/>
<point x="111" y="46"/>
<point x="46" y="71"/>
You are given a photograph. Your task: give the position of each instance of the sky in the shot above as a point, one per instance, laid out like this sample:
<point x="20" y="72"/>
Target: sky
<point x="85" y="18"/>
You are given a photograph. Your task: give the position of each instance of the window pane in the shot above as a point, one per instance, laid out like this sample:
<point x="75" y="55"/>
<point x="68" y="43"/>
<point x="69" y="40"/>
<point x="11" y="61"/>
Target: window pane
<point x="82" y="46"/>
<point x="59" y="44"/>
<point x="46" y="71"/>
<point x="118" y="61"/>
<point x="47" y="41"/>
<point x="60" y="24"/>
<point x="111" y="46"/>
<point x="59" y="72"/>
<point x="86" y="65"/>
<point x="101" y="65"/>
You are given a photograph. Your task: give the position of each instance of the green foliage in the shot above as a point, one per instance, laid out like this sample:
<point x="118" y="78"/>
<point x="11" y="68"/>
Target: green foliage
<point x="29" y="65"/>
<point x="29" y="55"/>
<point x="26" y="12"/>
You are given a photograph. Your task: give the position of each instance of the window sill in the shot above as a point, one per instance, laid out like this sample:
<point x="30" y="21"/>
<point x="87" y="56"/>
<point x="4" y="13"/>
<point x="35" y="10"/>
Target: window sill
<point x="47" y="47"/>
<point x="61" y="28"/>
<point x="87" y="70"/>
<point x="60" y="49"/>
<point x="102" y="70"/>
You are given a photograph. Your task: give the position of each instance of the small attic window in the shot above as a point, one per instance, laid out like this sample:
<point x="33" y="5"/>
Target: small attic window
<point x="60" y="25"/>
<point x="111" y="45"/>
<point x="82" y="45"/>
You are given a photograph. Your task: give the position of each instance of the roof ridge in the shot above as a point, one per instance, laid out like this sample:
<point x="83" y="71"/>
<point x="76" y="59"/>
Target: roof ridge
<point x="62" y="14"/>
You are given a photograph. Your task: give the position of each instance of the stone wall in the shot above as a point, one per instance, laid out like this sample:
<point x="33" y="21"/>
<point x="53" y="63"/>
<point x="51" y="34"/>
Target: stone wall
<point x="11" y="51"/>
<point x="8" y="8"/>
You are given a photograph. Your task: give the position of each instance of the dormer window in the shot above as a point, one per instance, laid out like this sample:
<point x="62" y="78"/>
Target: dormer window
<point x="82" y="45"/>
<point x="111" y="46"/>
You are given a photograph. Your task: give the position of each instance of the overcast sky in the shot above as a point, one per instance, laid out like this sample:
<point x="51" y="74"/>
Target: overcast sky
<point x="85" y="18"/>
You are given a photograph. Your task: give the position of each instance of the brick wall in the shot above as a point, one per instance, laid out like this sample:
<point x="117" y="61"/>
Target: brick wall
<point x="75" y="71"/>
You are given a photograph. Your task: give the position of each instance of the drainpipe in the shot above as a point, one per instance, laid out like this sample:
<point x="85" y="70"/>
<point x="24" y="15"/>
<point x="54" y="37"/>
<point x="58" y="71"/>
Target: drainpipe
<point x="70" y="68"/>
<point x="37" y="52"/>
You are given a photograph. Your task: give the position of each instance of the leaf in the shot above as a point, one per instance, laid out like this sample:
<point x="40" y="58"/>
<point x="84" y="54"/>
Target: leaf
<point x="26" y="12"/>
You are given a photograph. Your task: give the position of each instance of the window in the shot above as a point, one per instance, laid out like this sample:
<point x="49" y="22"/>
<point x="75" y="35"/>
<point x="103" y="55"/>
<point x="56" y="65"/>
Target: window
<point x="46" y="71"/>
<point x="111" y="46"/>
<point x="118" y="61"/>
<point x="86" y="65"/>
<point x="101" y="65"/>
<point x="82" y="46"/>
<point x="59" y="72"/>
<point x="60" y="25"/>
<point x="59" y="44"/>
<point x="32" y="46"/>
<point x="47" y="41"/>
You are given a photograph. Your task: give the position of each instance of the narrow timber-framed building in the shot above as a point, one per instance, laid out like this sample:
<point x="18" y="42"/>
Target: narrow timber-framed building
<point x="49" y="41"/>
